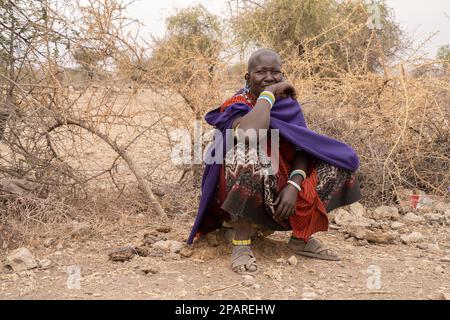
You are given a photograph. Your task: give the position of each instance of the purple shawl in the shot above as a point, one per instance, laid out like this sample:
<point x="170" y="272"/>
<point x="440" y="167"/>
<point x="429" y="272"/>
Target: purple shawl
<point x="286" y="115"/>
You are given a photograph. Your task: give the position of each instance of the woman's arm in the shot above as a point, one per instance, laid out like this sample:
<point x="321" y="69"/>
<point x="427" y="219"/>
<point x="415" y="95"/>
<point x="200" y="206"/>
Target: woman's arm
<point x="259" y="116"/>
<point x="300" y="162"/>
<point x="287" y="199"/>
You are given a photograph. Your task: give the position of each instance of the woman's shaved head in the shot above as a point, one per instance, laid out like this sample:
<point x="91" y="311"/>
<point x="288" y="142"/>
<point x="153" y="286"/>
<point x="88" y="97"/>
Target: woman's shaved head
<point x="256" y="56"/>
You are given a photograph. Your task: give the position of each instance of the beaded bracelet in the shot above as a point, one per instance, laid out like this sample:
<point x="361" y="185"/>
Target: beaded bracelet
<point x="298" y="172"/>
<point x="268" y="96"/>
<point x="242" y="242"/>
<point x="267" y="99"/>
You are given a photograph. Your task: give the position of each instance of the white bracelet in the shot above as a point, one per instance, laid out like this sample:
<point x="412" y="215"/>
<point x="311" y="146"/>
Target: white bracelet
<point x="296" y="186"/>
<point x="267" y="99"/>
<point x="236" y="129"/>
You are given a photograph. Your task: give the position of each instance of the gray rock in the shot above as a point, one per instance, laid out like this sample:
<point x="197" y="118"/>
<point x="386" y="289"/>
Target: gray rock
<point x="149" y="269"/>
<point x="48" y="242"/>
<point x="434" y="248"/>
<point x="171" y="256"/>
<point x="439" y="269"/>
<point x="362" y="243"/>
<point x="21" y="260"/>
<point x="413" y="237"/>
<point x="434" y="218"/>
<point x="122" y="254"/>
<point x="422" y="246"/>
<point x="309" y="295"/>
<point x="357" y="209"/>
<point x="44" y="264"/>
<point x="441" y="206"/>
<point x="447" y="217"/>
<point x="176" y="246"/>
<point x="397" y="225"/>
<point x="344" y="218"/>
<point x="248" y="280"/>
<point x="168" y="246"/>
<point x="386" y="212"/>
<point x="361" y="233"/>
<point x="444" y="296"/>
<point x="19" y="187"/>
<point x="292" y="261"/>
<point x="186" y="252"/>
<point x="412" y="218"/>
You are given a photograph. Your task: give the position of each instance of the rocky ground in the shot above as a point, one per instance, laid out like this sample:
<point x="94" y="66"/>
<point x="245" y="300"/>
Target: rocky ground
<point x="386" y="254"/>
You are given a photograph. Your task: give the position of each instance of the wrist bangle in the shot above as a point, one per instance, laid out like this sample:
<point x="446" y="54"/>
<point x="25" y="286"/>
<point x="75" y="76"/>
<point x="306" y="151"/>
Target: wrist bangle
<point x="268" y="96"/>
<point x="296" y="186"/>
<point x="298" y="172"/>
<point x="267" y="99"/>
<point x="236" y="129"/>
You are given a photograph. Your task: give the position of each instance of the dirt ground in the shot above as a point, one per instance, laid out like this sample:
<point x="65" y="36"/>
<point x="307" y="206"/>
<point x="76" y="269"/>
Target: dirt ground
<point x="382" y="271"/>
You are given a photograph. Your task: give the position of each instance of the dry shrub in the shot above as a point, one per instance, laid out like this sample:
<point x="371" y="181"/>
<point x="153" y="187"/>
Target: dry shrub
<point x="356" y="85"/>
<point x="26" y="220"/>
<point x="398" y="125"/>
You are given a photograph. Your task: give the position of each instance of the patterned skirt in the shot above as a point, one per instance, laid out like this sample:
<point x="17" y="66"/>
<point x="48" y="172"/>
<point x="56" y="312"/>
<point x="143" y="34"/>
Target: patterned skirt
<point x="246" y="190"/>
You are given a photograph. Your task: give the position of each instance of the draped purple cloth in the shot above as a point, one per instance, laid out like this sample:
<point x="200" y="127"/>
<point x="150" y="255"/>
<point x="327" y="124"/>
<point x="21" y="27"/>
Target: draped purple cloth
<point x="286" y="115"/>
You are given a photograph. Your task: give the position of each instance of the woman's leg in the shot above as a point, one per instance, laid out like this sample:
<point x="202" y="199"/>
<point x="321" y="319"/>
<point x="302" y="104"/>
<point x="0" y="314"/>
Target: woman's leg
<point x="242" y="259"/>
<point x="242" y="229"/>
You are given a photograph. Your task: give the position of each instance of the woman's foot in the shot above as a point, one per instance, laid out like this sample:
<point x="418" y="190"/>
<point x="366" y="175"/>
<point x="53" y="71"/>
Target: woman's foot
<point x="243" y="260"/>
<point x="312" y="249"/>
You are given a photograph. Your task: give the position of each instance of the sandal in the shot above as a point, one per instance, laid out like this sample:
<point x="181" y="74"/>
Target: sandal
<point x="243" y="261"/>
<point x="312" y="249"/>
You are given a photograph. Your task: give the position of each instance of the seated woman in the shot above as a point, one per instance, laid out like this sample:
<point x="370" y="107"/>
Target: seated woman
<point x="315" y="175"/>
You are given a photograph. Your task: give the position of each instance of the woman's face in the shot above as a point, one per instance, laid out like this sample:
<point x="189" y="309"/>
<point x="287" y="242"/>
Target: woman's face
<point x="263" y="72"/>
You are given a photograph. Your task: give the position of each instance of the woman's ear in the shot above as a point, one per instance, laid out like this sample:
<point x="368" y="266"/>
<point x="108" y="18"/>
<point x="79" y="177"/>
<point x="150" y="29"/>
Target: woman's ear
<point x="247" y="77"/>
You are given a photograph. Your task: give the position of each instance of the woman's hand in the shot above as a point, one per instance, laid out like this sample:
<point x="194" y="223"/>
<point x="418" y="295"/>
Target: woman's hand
<point x="286" y="202"/>
<point x="282" y="90"/>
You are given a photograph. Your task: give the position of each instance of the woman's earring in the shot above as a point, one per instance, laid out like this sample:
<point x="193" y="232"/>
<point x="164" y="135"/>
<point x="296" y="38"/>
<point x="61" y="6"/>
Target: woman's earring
<point x="247" y="85"/>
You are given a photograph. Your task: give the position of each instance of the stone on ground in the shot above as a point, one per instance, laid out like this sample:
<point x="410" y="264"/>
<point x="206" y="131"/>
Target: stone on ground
<point x="413" y="218"/>
<point x="397" y="225"/>
<point x="344" y="218"/>
<point x="168" y="246"/>
<point x="292" y="261"/>
<point x="361" y="233"/>
<point x="386" y="212"/>
<point x="21" y="259"/>
<point x="413" y="237"/>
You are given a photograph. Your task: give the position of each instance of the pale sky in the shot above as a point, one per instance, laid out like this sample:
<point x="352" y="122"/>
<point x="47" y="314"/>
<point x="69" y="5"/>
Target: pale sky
<point x="419" y="18"/>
